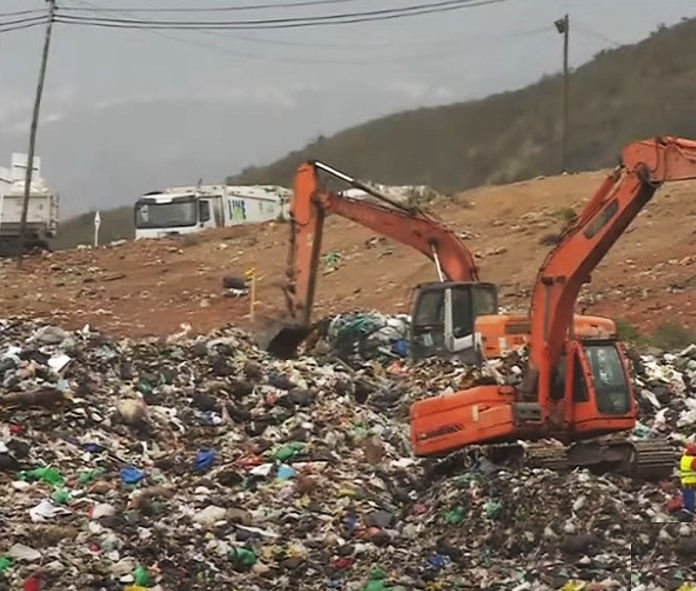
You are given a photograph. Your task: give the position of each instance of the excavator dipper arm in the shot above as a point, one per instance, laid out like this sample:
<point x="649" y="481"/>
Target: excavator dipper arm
<point x="410" y="226"/>
<point x="645" y="165"/>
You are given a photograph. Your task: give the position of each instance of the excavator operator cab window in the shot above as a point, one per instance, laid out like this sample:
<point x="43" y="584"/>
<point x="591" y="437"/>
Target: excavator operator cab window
<point x="428" y="322"/>
<point x="463" y="304"/>
<point x="444" y="316"/>
<point x="484" y="300"/>
<point x="462" y="317"/>
<point x="612" y="393"/>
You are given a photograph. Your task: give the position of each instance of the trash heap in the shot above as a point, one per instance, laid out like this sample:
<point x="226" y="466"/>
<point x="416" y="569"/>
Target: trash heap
<point x="203" y="464"/>
<point x="361" y="336"/>
<point x="665" y="388"/>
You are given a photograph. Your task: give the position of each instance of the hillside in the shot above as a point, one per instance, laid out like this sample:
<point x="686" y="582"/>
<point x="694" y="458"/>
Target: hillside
<point x="150" y="288"/>
<point x="624" y="94"/>
<point x="628" y="93"/>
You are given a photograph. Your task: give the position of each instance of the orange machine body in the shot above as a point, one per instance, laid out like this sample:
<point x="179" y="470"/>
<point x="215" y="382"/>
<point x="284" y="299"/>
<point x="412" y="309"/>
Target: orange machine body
<point x="503" y="333"/>
<point x="575" y="386"/>
<point x="494" y="414"/>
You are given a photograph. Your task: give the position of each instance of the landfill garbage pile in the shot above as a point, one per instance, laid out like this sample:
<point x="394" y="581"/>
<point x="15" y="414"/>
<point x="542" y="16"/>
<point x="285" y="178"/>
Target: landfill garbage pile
<point x="665" y="388"/>
<point x="363" y="336"/>
<point x="204" y="464"/>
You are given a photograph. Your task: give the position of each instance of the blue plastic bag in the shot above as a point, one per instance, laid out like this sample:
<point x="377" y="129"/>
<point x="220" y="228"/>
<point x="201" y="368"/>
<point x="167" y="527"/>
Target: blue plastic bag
<point x="205" y="458"/>
<point x="131" y="475"/>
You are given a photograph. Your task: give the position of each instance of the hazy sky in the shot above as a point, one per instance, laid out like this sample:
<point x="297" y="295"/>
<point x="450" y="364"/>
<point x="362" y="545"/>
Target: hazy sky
<point x="390" y="65"/>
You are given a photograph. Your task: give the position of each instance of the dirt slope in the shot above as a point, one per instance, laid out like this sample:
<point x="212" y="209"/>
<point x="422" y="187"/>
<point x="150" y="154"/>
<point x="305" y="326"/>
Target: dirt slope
<point x="152" y="288"/>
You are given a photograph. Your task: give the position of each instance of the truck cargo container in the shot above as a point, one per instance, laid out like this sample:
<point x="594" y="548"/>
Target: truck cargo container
<point x="42" y="212"/>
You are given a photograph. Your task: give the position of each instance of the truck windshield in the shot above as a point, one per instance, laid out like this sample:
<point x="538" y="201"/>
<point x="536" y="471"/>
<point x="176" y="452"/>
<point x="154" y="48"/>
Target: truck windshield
<point x="166" y="215"/>
<point x="609" y="377"/>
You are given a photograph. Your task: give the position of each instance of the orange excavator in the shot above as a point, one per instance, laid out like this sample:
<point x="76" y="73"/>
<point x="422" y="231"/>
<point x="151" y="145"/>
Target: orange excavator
<point x="445" y="313"/>
<point x="576" y="389"/>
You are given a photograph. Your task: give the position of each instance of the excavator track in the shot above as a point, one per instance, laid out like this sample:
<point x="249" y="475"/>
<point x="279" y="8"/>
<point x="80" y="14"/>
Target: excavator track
<point x="652" y="460"/>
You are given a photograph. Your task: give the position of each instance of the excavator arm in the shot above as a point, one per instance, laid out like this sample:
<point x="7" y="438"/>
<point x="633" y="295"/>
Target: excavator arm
<point x="644" y="167"/>
<point x="410" y="226"/>
<point x="309" y="207"/>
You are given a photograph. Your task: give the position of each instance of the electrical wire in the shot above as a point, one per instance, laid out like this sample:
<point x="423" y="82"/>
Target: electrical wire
<point x="22" y="23"/>
<point x="243" y="54"/>
<point x="283" y="23"/>
<point x="363" y="44"/>
<point x="287" y="20"/>
<point x="15" y="13"/>
<point x="584" y="29"/>
<point x="301" y="3"/>
<point x="440" y="52"/>
<point x="368" y="45"/>
<point x="21" y="27"/>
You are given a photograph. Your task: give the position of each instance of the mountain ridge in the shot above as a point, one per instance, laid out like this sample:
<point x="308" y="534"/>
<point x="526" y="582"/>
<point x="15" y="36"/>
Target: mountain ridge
<point x="514" y="135"/>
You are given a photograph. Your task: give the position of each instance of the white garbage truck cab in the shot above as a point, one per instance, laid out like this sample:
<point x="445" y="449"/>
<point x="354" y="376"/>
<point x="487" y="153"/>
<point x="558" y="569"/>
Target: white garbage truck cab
<point x="186" y="210"/>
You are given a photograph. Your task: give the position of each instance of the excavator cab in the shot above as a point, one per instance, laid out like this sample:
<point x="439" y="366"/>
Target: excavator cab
<point x="594" y="389"/>
<point x="443" y="316"/>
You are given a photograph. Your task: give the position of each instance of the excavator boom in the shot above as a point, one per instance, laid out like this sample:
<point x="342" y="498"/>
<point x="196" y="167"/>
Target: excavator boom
<point x="644" y="167"/>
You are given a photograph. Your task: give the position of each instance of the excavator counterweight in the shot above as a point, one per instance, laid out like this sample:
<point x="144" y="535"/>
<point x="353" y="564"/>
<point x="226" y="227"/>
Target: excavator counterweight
<point x="575" y="389"/>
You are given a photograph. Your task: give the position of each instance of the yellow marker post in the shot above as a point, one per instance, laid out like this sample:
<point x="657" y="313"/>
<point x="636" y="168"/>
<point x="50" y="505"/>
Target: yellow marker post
<point x="251" y="278"/>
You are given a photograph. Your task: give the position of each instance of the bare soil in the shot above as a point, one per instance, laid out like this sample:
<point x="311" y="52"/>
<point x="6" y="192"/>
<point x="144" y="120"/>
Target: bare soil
<point x="152" y="288"/>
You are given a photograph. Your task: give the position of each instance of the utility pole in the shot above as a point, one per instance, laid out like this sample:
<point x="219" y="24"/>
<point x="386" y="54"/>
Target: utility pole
<point x="563" y="27"/>
<point x="33" y="130"/>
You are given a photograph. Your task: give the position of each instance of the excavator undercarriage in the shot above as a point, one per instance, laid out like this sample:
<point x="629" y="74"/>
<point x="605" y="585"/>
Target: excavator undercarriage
<point x="651" y="460"/>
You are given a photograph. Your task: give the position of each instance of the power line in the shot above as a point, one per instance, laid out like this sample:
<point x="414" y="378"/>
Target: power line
<point x="582" y="28"/>
<point x="243" y="54"/>
<point x="274" y="41"/>
<point x="302" y="3"/>
<point x="22" y="27"/>
<point x="21" y="12"/>
<point x="20" y="24"/>
<point x="283" y="23"/>
<point x="21" y="21"/>
<point x="438" y="51"/>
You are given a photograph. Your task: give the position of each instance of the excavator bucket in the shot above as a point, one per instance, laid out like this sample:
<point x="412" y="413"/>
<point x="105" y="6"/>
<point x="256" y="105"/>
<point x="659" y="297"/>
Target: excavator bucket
<point x="284" y="341"/>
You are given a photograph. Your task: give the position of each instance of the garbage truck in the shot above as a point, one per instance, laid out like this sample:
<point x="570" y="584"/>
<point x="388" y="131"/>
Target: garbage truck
<point x="186" y="210"/>
<point x="42" y="212"/>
